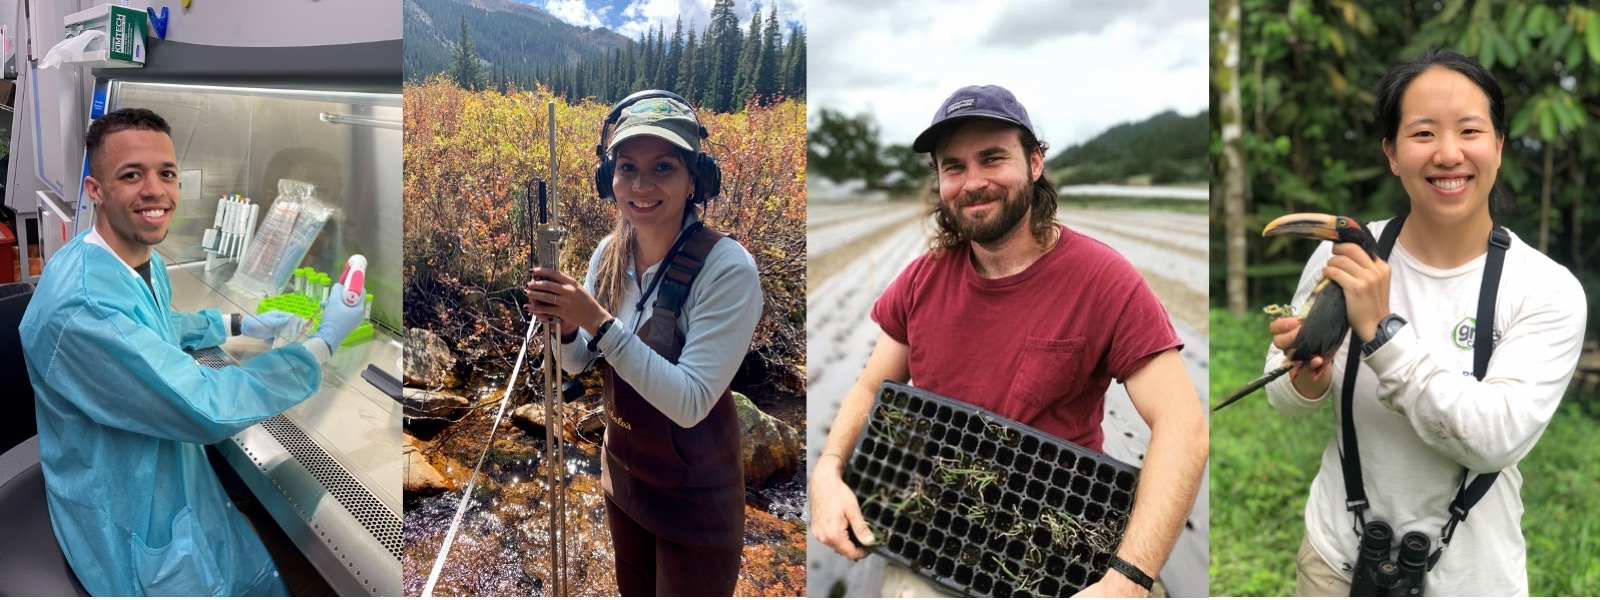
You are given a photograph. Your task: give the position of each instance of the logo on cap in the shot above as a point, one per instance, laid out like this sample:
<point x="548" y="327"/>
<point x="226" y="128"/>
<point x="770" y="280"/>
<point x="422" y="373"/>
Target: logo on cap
<point x="967" y="103"/>
<point x="659" y="107"/>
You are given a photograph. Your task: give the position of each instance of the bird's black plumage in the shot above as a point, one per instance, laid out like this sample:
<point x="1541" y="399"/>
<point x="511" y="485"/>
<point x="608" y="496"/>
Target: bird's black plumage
<point x="1324" y="322"/>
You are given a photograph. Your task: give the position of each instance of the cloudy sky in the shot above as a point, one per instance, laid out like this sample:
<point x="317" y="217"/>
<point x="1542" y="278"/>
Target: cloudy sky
<point x="633" y="17"/>
<point x="1079" y="66"/>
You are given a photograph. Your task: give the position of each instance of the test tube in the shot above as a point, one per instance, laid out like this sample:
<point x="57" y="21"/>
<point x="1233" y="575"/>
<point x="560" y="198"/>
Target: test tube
<point x="327" y="286"/>
<point x="366" y="311"/>
<point x="300" y="281"/>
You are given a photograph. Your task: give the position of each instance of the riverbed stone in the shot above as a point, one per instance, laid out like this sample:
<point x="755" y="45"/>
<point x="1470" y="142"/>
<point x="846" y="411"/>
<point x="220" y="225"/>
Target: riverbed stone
<point x="423" y="404"/>
<point x="421" y="478"/>
<point x="532" y="416"/>
<point x="771" y="447"/>
<point x="429" y="362"/>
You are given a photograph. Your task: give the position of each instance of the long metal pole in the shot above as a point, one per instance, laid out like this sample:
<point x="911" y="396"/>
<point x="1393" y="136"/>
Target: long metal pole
<point x="550" y="239"/>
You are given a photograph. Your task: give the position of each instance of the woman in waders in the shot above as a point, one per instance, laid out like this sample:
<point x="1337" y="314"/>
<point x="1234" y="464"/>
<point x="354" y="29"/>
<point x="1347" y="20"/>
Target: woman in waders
<point x="671" y="306"/>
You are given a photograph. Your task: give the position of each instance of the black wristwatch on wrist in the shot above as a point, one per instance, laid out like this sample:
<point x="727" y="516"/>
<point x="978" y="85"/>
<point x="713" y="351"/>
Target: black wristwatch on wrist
<point x="238" y="324"/>
<point x="600" y="332"/>
<point x="1387" y="329"/>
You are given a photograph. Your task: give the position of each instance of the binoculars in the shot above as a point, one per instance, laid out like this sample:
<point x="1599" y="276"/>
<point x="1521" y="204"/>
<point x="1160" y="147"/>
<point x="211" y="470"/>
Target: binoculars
<point x="1377" y="576"/>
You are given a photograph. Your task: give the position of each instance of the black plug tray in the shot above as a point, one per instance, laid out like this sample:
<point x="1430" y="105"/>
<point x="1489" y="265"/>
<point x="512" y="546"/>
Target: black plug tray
<point x="983" y="505"/>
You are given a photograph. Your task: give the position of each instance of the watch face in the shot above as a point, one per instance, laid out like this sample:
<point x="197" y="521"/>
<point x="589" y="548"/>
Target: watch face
<point x="1394" y="326"/>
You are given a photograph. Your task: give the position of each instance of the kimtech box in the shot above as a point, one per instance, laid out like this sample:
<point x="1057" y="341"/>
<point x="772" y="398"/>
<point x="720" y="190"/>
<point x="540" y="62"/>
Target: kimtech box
<point x="125" y="30"/>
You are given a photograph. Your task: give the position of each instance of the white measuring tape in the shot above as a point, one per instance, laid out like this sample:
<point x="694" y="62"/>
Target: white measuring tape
<point x="461" y="509"/>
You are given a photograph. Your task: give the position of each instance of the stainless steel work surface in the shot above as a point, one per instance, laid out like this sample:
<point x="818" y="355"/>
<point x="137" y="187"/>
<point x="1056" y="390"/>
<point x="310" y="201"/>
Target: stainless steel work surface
<point x="329" y="469"/>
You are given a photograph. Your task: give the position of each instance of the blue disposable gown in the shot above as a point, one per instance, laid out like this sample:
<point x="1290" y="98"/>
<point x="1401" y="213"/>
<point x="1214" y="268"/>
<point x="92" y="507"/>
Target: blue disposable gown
<point x="124" y="415"/>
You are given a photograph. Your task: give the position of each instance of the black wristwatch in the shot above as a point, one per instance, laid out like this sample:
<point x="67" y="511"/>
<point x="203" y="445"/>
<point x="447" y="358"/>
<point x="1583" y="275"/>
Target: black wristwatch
<point x="600" y="332"/>
<point x="1387" y="329"/>
<point x="238" y="324"/>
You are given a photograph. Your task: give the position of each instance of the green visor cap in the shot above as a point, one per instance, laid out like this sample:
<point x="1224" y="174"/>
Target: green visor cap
<point x="664" y="118"/>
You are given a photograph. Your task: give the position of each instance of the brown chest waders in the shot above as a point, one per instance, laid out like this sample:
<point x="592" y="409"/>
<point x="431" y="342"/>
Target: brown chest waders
<point x="682" y="484"/>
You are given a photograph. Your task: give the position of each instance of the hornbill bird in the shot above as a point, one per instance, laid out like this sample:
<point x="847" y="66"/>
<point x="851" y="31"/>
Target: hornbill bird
<point x="1323" y="321"/>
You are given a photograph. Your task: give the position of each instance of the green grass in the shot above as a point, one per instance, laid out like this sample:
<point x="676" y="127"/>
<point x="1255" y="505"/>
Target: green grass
<point x="1262" y="464"/>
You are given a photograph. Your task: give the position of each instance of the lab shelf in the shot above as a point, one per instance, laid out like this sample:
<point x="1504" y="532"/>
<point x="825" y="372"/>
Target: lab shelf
<point x="984" y="505"/>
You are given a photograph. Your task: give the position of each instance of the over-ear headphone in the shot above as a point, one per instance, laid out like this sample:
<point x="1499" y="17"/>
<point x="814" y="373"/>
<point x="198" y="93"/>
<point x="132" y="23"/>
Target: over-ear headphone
<point x="708" y="184"/>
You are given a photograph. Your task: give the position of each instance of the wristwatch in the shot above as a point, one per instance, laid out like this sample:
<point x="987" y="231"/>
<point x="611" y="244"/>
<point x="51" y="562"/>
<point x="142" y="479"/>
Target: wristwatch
<point x="1387" y="329"/>
<point x="236" y="329"/>
<point x="600" y="332"/>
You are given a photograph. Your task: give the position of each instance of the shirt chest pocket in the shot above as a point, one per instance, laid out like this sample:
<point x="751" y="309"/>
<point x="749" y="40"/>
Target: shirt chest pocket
<point x="1046" y="371"/>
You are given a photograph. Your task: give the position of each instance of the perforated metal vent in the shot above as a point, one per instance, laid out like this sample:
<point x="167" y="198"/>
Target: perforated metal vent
<point x="379" y="521"/>
<point x="211" y="357"/>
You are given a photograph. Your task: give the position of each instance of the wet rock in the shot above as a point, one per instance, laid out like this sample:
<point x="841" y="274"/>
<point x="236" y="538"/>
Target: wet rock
<point x="429" y="362"/>
<point x="581" y="419"/>
<point x="424" y="404"/>
<point x="771" y="447"/>
<point x="530" y="415"/>
<point x="421" y="478"/>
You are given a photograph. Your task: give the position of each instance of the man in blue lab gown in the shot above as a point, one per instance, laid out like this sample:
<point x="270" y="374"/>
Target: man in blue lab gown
<point x="125" y="414"/>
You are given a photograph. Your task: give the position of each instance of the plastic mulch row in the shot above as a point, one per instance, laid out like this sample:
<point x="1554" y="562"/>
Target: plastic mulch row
<point x="984" y="505"/>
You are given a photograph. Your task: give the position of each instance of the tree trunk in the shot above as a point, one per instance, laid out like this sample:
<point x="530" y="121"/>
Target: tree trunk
<point x="1226" y="70"/>
<point x="1544" y="198"/>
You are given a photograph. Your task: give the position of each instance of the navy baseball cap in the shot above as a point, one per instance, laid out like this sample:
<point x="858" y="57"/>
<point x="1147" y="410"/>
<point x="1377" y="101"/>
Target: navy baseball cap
<point x="987" y="101"/>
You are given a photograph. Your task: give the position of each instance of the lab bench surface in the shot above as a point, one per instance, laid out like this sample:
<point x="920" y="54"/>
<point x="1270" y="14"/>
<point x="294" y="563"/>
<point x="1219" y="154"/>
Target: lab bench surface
<point x="329" y="469"/>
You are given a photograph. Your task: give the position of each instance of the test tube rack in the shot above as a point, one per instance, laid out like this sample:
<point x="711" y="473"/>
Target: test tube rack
<point x="303" y="306"/>
<point x="984" y="505"/>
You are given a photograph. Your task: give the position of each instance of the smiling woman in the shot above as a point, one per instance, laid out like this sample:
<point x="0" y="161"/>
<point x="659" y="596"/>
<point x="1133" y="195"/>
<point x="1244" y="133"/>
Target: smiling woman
<point x="671" y="306"/>
<point x="1433" y="419"/>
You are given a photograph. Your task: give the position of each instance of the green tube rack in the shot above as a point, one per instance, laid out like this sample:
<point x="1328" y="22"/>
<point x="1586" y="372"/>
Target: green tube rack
<point x="296" y="304"/>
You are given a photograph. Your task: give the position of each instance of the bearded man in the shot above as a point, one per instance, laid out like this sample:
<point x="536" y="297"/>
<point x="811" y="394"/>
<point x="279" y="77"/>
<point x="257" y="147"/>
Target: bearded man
<point x="1017" y="314"/>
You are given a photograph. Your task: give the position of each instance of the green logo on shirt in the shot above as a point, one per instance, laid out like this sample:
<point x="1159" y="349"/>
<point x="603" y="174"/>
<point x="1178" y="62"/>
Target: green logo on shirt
<point x="1466" y="331"/>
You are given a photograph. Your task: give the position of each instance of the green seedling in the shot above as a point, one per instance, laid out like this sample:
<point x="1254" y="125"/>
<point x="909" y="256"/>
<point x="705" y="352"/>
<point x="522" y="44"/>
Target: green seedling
<point x="1026" y="583"/>
<point x="951" y="471"/>
<point x="978" y="513"/>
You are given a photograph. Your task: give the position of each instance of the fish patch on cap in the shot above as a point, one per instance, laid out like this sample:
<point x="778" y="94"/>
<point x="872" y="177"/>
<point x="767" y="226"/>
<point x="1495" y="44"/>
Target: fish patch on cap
<point x="659" y="107"/>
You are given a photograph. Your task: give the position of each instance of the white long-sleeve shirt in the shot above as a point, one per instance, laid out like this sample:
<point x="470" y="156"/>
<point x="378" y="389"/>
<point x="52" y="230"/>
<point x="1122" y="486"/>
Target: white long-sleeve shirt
<point x="1420" y="416"/>
<point x="718" y="320"/>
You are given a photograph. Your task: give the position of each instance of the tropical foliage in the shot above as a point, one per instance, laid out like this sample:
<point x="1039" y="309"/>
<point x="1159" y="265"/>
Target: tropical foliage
<point x="1306" y="74"/>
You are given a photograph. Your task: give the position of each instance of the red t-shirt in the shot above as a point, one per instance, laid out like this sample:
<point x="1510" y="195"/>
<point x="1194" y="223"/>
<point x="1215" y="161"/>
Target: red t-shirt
<point x="1041" y="346"/>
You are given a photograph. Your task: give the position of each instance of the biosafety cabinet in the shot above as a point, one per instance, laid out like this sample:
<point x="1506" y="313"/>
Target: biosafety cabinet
<point x="256" y="93"/>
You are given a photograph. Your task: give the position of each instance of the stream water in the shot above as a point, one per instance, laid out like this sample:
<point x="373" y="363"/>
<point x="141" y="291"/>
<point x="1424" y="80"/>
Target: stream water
<point x="502" y="546"/>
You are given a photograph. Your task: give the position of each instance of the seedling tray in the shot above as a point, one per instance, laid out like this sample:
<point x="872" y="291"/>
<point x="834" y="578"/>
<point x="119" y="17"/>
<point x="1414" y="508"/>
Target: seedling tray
<point x="983" y="505"/>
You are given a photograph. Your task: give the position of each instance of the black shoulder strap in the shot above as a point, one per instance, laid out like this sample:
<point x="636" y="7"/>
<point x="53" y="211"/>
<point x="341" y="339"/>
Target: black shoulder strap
<point x="677" y="274"/>
<point x="1482" y="346"/>
<point x="1355" y="493"/>
<point x="1467" y="495"/>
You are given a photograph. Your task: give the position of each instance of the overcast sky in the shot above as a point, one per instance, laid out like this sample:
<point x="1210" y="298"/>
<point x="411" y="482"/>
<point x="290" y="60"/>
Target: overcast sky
<point x="1079" y="66"/>
<point x="633" y="17"/>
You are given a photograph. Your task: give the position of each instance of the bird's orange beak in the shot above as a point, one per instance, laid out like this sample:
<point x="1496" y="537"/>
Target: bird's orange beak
<point x="1316" y="226"/>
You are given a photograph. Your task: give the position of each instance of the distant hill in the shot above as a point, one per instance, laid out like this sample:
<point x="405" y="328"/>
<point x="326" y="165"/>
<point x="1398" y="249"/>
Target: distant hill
<point x="1166" y="148"/>
<point x="509" y="35"/>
